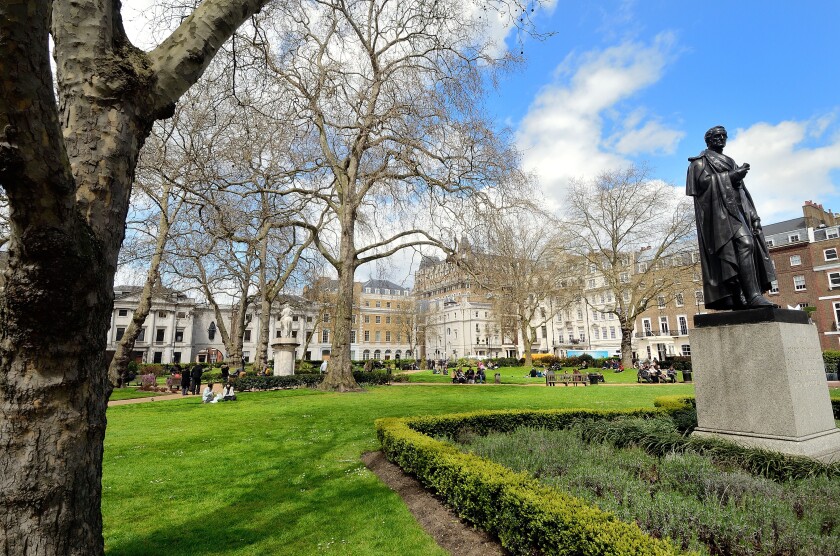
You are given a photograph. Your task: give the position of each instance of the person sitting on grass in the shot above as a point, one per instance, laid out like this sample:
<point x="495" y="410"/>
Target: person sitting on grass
<point x="228" y="394"/>
<point x="459" y="378"/>
<point x="207" y="396"/>
<point x="470" y="376"/>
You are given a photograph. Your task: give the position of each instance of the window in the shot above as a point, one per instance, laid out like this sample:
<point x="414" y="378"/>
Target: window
<point x="793" y="237"/>
<point x="247" y="337"/>
<point x="367" y="290"/>
<point x="604" y="332"/>
<point x="774" y="286"/>
<point x="595" y="333"/>
<point x="399" y="338"/>
<point x="162" y="314"/>
<point x="837" y="314"/>
<point x="591" y="283"/>
<point x="388" y="305"/>
<point x="120" y="332"/>
<point x="378" y="304"/>
<point x="387" y="292"/>
<point x="795" y="260"/>
<point x="647" y="327"/>
<point x="680" y="300"/>
<point x="367" y="303"/>
<point x="581" y="334"/>
<point x="698" y="297"/>
<point x="377" y="355"/>
<point x="352" y="338"/>
<point x="833" y="280"/>
<point x="179" y="335"/>
<point x="387" y="335"/>
<point x="142" y="336"/>
<point x="181" y="315"/>
<point x="544" y="331"/>
<point x="663" y="325"/>
<point x="387" y="320"/>
<point x="660" y="301"/>
<point x="367" y="335"/>
<point x="366" y="354"/>
<point x="769" y="243"/>
<point x="308" y="319"/>
<point x="353" y="319"/>
<point x="325" y="335"/>
<point x="376" y="290"/>
<point x="294" y="318"/>
<point x="685" y="349"/>
<point x="176" y="357"/>
<point x="624" y="277"/>
<point x="830" y="254"/>
<point x="399" y="320"/>
<point x="625" y="295"/>
<point x="159" y="334"/>
<point x="157" y="357"/>
<point x="367" y="319"/>
<point x="295" y="334"/>
<point x="579" y="314"/>
<point x="831" y="233"/>
<point x="612" y="332"/>
<point x="124" y="312"/>
<point x="799" y="283"/>
<point x="378" y="319"/>
<point x="326" y="317"/>
<point x="683" y="323"/>
<point x="595" y="315"/>
<point x="378" y="336"/>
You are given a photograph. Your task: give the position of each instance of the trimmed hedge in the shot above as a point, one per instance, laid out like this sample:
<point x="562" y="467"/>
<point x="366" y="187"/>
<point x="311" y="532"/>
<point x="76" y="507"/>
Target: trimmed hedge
<point x="307" y="380"/>
<point x="831" y="358"/>
<point x="527" y="516"/>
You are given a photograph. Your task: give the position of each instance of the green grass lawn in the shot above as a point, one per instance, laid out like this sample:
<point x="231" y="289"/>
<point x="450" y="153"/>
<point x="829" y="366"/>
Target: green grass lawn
<point x="518" y="375"/>
<point x="279" y="472"/>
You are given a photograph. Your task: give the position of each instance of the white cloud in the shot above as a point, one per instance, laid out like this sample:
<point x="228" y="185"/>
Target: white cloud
<point x="784" y="171"/>
<point x="576" y="126"/>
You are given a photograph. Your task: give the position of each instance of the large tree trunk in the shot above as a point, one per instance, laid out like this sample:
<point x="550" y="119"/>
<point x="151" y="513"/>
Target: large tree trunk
<point x="340" y="375"/>
<point x="261" y="358"/>
<point x="68" y="179"/>
<point x="626" y="345"/>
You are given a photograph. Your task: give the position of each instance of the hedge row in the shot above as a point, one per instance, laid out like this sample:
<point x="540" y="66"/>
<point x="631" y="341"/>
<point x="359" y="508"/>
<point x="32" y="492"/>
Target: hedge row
<point x="527" y="516"/>
<point x="306" y="380"/>
<point x="831" y="358"/>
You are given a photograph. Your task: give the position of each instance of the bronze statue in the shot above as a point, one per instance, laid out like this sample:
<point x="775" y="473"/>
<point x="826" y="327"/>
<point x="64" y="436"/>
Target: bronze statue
<point x="733" y="253"/>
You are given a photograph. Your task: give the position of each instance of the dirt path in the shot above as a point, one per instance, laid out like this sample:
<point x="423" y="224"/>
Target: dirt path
<point x="451" y="534"/>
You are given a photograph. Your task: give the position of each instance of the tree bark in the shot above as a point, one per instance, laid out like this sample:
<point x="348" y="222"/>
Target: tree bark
<point x="68" y="170"/>
<point x="340" y="368"/>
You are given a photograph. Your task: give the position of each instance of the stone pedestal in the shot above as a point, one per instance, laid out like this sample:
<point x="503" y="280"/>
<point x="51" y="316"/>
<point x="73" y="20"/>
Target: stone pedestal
<point x="284" y="356"/>
<point x="760" y="381"/>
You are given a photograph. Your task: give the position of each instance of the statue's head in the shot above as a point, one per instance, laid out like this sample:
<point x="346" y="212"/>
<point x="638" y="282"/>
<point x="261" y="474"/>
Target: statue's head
<point x="716" y="137"/>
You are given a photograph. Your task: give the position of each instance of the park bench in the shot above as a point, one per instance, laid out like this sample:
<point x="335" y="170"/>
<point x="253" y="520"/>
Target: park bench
<point x="550" y="378"/>
<point x="574" y="379"/>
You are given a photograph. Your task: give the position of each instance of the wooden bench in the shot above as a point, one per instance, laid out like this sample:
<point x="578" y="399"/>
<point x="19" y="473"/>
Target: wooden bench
<point x="550" y="378"/>
<point x="574" y="379"/>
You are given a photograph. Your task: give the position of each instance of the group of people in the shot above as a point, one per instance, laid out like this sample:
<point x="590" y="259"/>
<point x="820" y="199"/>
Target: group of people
<point x="227" y="394"/>
<point x="472" y="376"/>
<point x="653" y="373"/>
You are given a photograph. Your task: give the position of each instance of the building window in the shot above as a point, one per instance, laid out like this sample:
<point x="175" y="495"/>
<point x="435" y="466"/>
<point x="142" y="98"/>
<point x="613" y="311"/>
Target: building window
<point x="581" y="334"/>
<point x="685" y="349"/>
<point x="774" y="286"/>
<point x="367" y="290"/>
<point x="366" y="354"/>
<point x="120" y="332"/>
<point x="162" y="314"/>
<point x="179" y="335"/>
<point x="647" y="327"/>
<point x="544" y="330"/>
<point x="387" y="335"/>
<point x="367" y="319"/>
<point x="799" y="283"/>
<point x="181" y="315"/>
<point x="377" y="355"/>
<point x="834" y="280"/>
<point x="325" y="335"/>
<point x="624" y="277"/>
<point x="376" y="290"/>
<point x="660" y="301"/>
<point x="769" y="243"/>
<point x="353" y="319"/>
<point x="295" y="334"/>
<point x="247" y="337"/>
<point x="378" y="319"/>
<point x="387" y="320"/>
<point x="367" y="335"/>
<point x="795" y="260"/>
<point x="141" y="337"/>
<point x="308" y="319"/>
<point x="663" y="325"/>
<point x="830" y="254"/>
<point x="683" y="324"/>
<point x="378" y="304"/>
<point x="157" y="357"/>
<point x="176" y="357"/>
<point x="124" y="312"/>
<point x="837" y="314"/>
<point x="160" y="333"/>
<point x="326" y="317"/>
<point x="680" y="300"/>
<point x="378" y="336"/>
<point x="352" y="338"/>
<point x="793" y="238"/>
<point x="367" y="303"/>
<point x="388" y="305"/>
<point x="595" y="333"/>
<point x="612" y="332"/>
<point x="698" y="297"/>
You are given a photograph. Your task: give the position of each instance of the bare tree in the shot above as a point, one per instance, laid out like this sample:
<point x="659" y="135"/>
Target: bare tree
<point x="633" y="237"/>
<point x="389" y="94"/>
<point x="518" y="259"/>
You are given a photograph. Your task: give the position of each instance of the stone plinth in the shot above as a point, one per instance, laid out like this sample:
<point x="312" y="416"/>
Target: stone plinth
<point x="284" y="356"/>
<point x="760" y="381"/>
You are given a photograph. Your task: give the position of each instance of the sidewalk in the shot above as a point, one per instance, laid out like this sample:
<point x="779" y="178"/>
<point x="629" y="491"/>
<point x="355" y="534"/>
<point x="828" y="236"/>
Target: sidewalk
<point x="217" y="388"/>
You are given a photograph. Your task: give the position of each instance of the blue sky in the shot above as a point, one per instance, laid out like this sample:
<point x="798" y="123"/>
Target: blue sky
<point x="625" y="81"/>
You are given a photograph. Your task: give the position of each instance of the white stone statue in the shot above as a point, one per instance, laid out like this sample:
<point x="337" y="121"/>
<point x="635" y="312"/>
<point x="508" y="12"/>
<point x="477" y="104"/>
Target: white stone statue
<point x="286" y="323"/>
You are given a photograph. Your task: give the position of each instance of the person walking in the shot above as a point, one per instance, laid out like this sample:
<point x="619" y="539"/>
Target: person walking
<point x="195" y="378"/>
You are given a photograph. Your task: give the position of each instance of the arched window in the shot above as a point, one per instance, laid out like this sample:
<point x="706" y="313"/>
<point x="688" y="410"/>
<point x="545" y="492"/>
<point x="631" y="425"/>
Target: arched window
<point x="377" y="354"/>
<point x="366" y="355"/>
<point x="397" y="354"/>
<point x="407" y="353"/>
<point x="387" y="354"/>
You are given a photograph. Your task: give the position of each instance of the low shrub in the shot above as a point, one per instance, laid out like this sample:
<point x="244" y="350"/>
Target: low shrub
<point x="148" y="381"/>
<point x="831" y="358"/>
<point x="527" y="517"/>
<point x="545" y="360"/>
<point x="308" y="380"/>
<point x="505" y="362"/>
<point x="152" y="368"/>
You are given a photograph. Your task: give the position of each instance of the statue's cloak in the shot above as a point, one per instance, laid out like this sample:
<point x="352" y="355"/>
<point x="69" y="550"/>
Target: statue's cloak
<point x="720" y="209"/>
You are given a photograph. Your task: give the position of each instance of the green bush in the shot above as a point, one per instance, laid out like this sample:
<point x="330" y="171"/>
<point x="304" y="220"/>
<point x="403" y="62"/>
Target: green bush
<point x="831" y="358"/>
<point x="151" y="368"/>
<point x="527" y="517"/>
<point x="307" y="380"/>
<point x="546" y="361"/>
